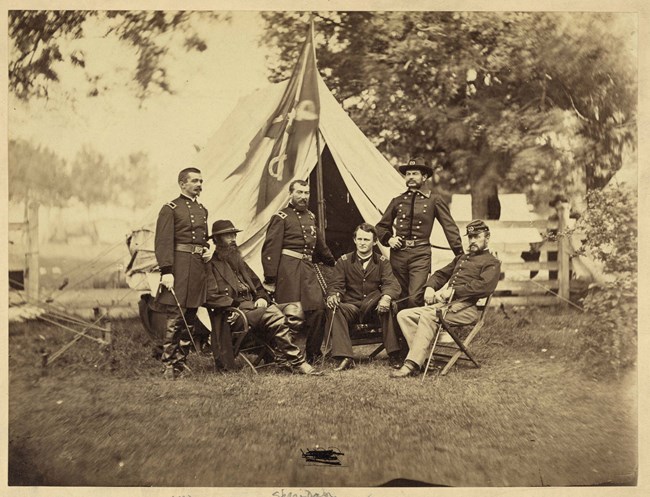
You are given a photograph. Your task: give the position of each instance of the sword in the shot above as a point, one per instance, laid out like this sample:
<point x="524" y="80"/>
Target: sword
<point x="435" y="339"/>
<point x="329" y="334"/>
<point x="187" y="326"/>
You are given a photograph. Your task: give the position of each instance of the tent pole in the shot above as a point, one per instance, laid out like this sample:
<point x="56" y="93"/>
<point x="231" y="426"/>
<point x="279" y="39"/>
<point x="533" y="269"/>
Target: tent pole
<point x="320" y="198"/>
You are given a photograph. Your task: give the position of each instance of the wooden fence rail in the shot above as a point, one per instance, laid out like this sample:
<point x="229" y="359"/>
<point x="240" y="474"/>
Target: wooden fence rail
<point x="541" y="282"/>
<point x="533" y="282"/>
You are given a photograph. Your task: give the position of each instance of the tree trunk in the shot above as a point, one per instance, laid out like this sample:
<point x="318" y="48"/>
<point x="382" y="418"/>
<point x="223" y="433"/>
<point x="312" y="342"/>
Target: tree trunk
<point x="484" y="189"/>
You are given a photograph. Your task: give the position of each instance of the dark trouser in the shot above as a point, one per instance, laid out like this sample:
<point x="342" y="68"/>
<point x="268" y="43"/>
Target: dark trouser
<point x="266" y="323"/>
<point x="411" y="267"/>
<point x="177" y="340"/>
<point x="315" y="326"/>
<point x="348" y="314"/>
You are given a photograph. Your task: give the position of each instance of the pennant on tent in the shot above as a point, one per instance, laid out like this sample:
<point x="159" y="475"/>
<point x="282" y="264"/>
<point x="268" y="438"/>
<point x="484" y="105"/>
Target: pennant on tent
<point x="289" y="131"/>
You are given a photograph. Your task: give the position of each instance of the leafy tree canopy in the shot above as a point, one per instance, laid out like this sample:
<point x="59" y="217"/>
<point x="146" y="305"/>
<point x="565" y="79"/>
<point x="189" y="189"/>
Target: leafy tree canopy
<point x="515" y="100"/>
<point x="37" y="41"/>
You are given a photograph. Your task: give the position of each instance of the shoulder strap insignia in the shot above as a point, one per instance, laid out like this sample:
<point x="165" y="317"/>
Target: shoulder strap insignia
<point x="281" y="214"/>
<point x="171" y="205"/>
<point x="344" y="257"/>
<point x="311" y="215"/>
<point x="382" y="258"/>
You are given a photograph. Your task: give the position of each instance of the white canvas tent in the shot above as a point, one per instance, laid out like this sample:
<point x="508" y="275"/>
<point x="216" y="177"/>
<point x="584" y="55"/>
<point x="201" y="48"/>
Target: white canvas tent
<point x="368" y="178"/>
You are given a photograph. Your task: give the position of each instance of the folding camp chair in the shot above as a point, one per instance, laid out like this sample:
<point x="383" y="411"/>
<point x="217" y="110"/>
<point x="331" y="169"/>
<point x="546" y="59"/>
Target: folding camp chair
<point x="460" y="348"/>
<point x="362" y="334"/>
<point x="229" y="344"/>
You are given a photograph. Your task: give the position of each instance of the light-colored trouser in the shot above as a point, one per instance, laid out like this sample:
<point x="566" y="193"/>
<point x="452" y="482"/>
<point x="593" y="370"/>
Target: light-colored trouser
<point x="419" y="325"/>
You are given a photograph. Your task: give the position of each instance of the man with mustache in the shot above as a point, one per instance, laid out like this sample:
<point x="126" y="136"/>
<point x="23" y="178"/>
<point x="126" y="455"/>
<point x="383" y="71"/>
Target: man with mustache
<point x="180" y="244"/>
<point x="291" y="248"/>
<point x="232" y="283"/>
<point x="470" y="276"/>
<point x="406" y="228"/>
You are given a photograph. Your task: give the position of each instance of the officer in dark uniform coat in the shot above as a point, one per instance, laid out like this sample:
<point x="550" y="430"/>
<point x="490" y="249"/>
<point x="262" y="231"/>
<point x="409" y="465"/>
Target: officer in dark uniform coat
<point x="470" y="277"/>
<point x="363" y="283"/>
<point x="406" y="228"/>
<point x="291" y="247"/>
<point x="232" y="283"/>
<point x="180" y="242"/>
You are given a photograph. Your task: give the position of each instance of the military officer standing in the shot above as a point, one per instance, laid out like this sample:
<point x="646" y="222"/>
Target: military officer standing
<point x="180" y="243"/>
<point x="291" y="247"/>
<point x="406" y="228"/>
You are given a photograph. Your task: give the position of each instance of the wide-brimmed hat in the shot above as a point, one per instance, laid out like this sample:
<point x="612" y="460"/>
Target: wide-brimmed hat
<point x="223" y="226"/>
<point x="419" y="164"/>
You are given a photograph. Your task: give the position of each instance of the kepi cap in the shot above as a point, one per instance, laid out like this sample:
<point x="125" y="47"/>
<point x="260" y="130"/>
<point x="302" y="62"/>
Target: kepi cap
<point x="476" y="226"/>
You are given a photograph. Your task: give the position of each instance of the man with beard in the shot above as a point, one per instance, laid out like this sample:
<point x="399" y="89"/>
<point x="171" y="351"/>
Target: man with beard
<point x="406" y="228"/>
<point x="291" y="247"/>
<point x="232" y="283"/>
<point x="470" y="276"/>
<point x="180" y="243"/>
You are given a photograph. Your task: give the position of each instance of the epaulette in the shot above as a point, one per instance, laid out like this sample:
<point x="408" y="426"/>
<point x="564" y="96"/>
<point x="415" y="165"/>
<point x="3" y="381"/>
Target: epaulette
<point x="344" y="257"/>
<point x="281" y="214"/>
<point x="171" y="205"/>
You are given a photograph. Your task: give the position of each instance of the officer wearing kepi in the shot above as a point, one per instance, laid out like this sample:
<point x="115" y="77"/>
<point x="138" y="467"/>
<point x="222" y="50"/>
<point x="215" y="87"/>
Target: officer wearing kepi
<point x="181" y="246"/>
<point x="468" y="277"/>
<point x="406" y="228"/>
<point x="291" y="248"/>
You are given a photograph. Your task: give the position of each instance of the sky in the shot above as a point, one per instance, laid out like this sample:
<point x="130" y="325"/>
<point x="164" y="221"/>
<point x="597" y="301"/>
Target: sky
<point x="166" y="127"/>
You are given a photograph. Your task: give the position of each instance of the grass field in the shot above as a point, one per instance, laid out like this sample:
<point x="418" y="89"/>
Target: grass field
<point x="528" y="417"/>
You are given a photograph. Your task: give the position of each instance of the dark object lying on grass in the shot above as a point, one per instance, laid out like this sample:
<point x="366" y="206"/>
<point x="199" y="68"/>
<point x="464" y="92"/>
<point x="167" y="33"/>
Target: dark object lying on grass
<point x="325" y="456"/>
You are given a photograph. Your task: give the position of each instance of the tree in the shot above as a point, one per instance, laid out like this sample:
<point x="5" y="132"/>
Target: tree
<point x="510" y="100"/>
<point x="36" y="174"/>
<point x="131" y="180"/>
<point x="37" y="38"/>
<point x="91" y="177"/>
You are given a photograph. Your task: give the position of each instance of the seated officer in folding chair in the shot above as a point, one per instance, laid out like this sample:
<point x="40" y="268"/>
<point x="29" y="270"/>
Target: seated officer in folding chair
<point x="362" y="279"/>
<point x="232" y="283"/>
<point x="470" y="276"/>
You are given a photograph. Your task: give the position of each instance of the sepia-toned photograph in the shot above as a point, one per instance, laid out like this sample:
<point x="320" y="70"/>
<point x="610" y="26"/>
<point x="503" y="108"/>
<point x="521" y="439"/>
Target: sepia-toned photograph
<point x="314" y="250"/>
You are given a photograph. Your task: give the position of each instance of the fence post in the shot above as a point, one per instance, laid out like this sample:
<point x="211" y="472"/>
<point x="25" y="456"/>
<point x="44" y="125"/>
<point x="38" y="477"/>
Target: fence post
<point x="32" y="269"/>
<point x="563" y="249"/>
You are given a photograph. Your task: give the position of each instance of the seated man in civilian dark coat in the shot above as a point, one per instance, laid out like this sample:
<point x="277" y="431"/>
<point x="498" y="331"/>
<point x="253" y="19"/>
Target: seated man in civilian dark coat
<point x="362" y="279"/>
<point x="232" y="283"/>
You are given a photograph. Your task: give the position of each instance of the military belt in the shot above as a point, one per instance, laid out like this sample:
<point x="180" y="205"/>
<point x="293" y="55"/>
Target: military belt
<point x="189" y="248"/>
<point x="414" y="243"/>
<point x="296" y="255"/>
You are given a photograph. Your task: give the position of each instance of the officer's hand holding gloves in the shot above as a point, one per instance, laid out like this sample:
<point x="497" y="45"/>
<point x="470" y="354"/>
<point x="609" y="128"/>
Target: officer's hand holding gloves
<point x="167" y="281"/>
<point x="333" y="301"/>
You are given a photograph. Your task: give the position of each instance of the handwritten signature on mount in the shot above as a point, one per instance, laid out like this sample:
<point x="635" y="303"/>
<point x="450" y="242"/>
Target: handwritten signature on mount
<point x="302" y="493"/>
<point x="323" y="456"/>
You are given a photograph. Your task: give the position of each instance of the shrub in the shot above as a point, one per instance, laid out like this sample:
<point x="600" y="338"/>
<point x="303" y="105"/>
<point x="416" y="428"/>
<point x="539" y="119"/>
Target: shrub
<point x="609" y="338"/>
<point x="610" y="228"/>
<point x="609" y="330"/>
